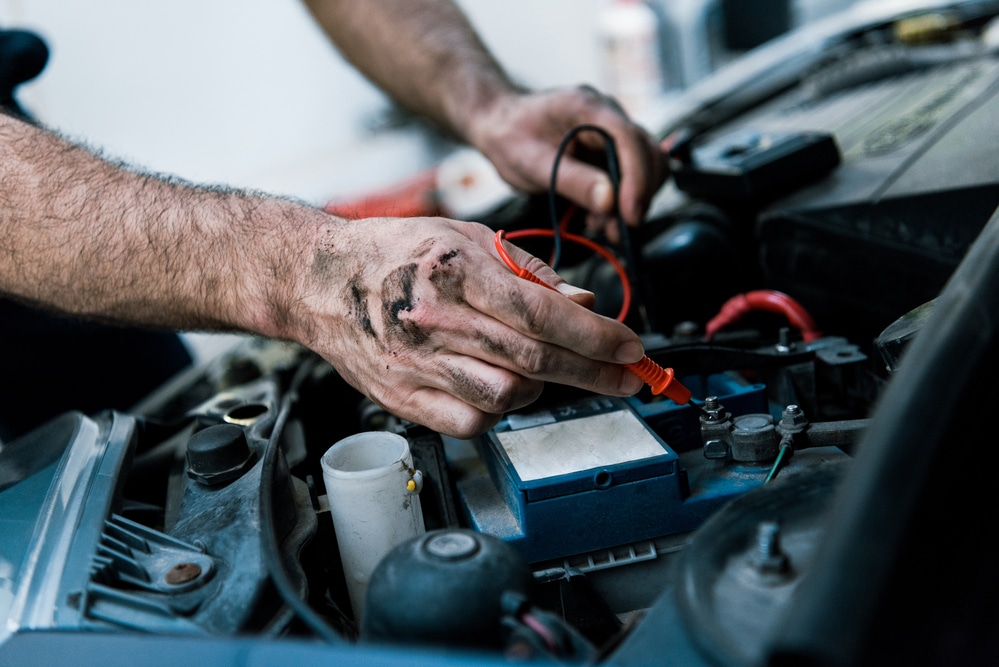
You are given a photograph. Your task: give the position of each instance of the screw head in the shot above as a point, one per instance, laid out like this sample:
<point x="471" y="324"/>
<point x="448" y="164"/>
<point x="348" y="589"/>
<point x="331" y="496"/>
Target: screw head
<point x="183" y="573"/>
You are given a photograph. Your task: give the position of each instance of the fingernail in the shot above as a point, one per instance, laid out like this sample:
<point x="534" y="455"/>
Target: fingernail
<point x="629" y="353"/>
<point x="571" y="290"/>
<point x="601" y="196"/>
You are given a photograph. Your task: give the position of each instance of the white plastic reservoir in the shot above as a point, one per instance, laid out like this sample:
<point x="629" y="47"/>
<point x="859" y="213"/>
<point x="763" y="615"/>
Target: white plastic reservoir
<point x="374" y="500"/>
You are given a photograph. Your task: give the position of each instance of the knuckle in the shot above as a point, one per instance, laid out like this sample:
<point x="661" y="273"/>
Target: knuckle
<point x="533" y="310"/>
<point x="516" y="393"/>
<point x="472" y="424"/>
<point x="535" y="265"/>
<point x="589" y="377"/>
<point x="433" y="313"/>
<point x="496" y="398"/>
<point x="533" y="359"/>
<point x="603" y="377"/>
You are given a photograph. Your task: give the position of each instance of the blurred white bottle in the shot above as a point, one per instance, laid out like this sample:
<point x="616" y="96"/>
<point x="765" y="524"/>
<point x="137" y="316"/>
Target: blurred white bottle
<point x="631" y="56"/>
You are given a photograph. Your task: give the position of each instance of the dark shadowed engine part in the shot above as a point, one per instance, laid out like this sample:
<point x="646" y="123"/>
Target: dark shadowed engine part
<point x="445" y="587"/>
<point x="747" y="561"/>
<point x="98" y="559"/>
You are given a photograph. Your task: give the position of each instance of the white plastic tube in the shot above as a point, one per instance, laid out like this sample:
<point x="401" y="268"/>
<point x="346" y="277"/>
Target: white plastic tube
<point x="374" y="500"/>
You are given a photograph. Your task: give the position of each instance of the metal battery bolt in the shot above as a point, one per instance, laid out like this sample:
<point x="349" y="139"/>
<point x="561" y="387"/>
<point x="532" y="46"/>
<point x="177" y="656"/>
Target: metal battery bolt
<point x="793" y="419"/>
<point x="784" y="343"/>
<point x="792" y="426"/>
<point x="686" y="332"/>
<point x="716" y="429"/>
<point x="713" y="411"/>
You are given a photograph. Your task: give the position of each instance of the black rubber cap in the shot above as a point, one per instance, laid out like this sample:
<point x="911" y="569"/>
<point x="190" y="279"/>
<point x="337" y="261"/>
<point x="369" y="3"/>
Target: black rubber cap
<point x="218" y="454"/>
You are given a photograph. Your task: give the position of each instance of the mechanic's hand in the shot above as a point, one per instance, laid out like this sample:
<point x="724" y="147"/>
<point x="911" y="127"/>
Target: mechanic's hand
<point x="422" y="316"/>
<point x="520" y="134"/>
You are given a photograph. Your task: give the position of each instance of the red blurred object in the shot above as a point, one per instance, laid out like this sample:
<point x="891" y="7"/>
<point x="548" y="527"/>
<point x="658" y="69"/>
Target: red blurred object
<point x="413" y="197"/>
<point x="767" y="300"/>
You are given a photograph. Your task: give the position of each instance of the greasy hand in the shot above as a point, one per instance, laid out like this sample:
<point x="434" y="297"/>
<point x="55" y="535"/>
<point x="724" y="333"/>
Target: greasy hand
<point x="421" y="315"/>
<point x="520" y="134"/>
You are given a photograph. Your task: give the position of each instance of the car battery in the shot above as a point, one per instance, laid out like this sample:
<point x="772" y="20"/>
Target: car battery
<point x="582" y="476"/>
<point x="593" y="473"/>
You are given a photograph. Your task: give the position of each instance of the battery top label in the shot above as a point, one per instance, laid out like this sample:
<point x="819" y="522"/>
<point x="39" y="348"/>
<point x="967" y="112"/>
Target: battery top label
<point x="578" y="445"/>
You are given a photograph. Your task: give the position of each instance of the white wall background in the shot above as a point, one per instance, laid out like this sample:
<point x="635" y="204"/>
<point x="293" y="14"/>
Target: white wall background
<point x="250" y="93"/>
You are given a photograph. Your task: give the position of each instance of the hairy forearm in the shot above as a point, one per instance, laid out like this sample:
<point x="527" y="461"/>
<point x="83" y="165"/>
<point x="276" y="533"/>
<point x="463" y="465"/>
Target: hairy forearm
<point x="85" y="236"/>
<point x="423" y="53"/>
<point x="417" y="313"/>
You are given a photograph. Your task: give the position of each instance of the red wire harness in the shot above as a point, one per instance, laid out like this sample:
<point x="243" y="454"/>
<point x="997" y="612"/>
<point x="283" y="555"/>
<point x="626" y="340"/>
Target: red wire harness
<point x="660" y="380"/>
<point x="767" y="300"/>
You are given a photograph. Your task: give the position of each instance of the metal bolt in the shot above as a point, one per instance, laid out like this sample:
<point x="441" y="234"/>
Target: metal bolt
<point x="685" y="331"/>
<point x="715" y="429"/>
<point x="793" y="415"/>
<point x="713" y="410"/>
<point x="769" y="557"/>
<point x="183" y="573"/>
<point x="784" y="342"/>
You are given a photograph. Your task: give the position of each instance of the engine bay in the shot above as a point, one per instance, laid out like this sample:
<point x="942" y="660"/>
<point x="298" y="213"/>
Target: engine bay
<point x="821" y="273"/>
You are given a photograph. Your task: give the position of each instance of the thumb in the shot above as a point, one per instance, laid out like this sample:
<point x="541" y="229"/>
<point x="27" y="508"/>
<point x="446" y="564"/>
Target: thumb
<point x="585" y="185"/>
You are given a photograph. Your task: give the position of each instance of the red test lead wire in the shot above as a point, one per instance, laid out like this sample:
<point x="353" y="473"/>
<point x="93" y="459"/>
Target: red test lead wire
<point x="661" y="380"/>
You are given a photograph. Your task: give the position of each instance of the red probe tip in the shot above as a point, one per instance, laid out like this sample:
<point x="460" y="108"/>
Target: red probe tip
<point x="661" y="380"/>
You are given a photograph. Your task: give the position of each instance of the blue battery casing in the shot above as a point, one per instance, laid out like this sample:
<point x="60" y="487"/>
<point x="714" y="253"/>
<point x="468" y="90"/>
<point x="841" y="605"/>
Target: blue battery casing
<point x="628" y="485"/>
<point x="579" y="510"/>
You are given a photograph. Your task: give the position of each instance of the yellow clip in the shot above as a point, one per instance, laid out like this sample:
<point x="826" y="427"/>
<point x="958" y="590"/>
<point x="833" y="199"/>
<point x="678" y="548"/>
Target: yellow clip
<point x="411" y="486"/>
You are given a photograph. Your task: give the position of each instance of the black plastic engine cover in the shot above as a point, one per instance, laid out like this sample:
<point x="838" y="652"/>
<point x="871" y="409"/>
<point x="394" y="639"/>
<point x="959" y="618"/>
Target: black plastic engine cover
<point x="919" y="179"/>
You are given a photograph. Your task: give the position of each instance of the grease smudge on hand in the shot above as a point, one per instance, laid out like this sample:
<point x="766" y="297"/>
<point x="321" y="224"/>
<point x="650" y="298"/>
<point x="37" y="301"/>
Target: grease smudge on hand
<point x="397" y="298"/>
<point x="358" y="306"/>
<point x="448" y="278"/>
